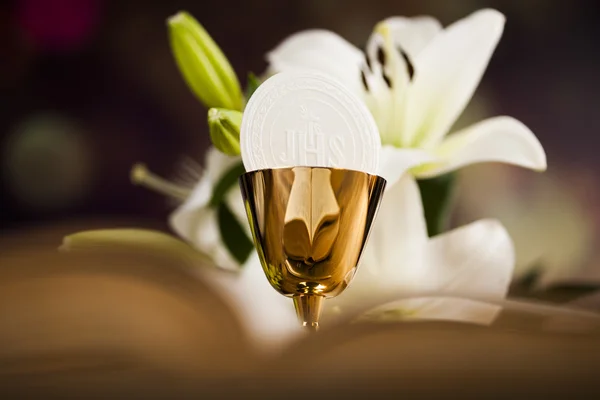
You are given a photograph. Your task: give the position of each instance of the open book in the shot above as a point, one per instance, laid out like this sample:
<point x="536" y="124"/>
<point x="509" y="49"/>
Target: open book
<point x="125" y="323"/>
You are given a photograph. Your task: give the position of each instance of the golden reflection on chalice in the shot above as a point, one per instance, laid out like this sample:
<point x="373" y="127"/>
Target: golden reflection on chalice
<point x="310" y="226"/>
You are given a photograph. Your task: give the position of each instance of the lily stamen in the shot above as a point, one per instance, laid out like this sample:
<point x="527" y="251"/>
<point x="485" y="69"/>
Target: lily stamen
<point x="364" y="80"/>
<point x="410" y="69"/>
<point x="387" y="80"/>
<point x="140" y="175"/>
<point x="368" y="61"/>
<point x="381" y="56"/>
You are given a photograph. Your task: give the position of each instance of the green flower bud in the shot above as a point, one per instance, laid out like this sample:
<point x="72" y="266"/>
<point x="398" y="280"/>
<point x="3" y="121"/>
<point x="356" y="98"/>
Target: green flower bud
<point x="224" y="128"/>
<point x="203" y="65"/>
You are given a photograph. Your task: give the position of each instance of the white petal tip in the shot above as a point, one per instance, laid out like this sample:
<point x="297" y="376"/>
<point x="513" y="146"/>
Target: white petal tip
<point x="175" y="18"/>
<point x="537" y="165"/>
<point x="541" y="168"/>
<point x="491" y="13"/>
<point x="537" y="154"/>
<point x="494" y="231"/>
<point x="491" y="224"/>
<point x="538" y="159"/>
<point x="541" y="164"/>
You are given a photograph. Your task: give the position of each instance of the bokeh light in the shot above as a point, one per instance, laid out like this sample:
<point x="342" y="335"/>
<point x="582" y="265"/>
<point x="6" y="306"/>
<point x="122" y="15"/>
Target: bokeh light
<point x="46" y="162"/>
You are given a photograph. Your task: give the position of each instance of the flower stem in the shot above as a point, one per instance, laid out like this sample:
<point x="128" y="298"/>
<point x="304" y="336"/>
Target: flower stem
<point x="140" y="175"/>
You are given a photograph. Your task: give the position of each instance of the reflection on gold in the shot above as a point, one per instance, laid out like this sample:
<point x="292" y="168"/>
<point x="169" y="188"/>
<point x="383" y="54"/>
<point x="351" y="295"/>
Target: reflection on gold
<point x="310" y="226"/>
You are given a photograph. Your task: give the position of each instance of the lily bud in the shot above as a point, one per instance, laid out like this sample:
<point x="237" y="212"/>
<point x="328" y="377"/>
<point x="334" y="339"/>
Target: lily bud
<point x="224" y="128"/>
<point x="203" y="65"/>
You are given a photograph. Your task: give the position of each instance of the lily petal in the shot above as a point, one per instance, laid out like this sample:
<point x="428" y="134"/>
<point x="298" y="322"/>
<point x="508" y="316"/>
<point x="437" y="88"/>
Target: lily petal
<point x="323" y="51"/>
<point x="499" y="139"/>
<point x="392" y="259"/>
<point x="434" y="308"/>
<point x="217" y="163"/>
<point x="200" y="227"/>
<point x="473" y="263"/>
<point x="384" y="83"/>
<point x="447" y="72"/>
<point x="394" y="162"/>
<point x="413" y="34"/>
<point x="268" y="317"/>
<point x="394" y="42"/>
<point x="197" y="222"/>
<point x="400" y="230"/>
<point x="476" y="260"/>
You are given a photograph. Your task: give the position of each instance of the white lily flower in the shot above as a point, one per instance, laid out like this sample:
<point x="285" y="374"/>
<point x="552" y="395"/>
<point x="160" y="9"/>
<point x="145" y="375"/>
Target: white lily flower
<point x="461" y="275"/>
<point x="197" y="221"/>
<point x="449" y="276"/>
<point x="215" y="197"/>
<point x="417" y="78"/>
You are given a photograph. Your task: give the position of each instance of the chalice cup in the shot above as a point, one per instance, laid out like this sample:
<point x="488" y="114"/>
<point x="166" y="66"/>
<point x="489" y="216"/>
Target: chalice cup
<point x="310" y="226"/>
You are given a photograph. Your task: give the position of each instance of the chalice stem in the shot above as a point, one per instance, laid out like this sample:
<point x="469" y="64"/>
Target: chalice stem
<point x="308" y="309"/>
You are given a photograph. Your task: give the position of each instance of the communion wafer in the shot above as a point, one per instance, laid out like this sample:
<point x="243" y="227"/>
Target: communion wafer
<point x="307" y="119"/>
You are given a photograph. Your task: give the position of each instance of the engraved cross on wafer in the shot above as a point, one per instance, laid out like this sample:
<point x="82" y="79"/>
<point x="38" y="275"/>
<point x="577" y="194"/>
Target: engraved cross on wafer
<point x="305" y="146"/>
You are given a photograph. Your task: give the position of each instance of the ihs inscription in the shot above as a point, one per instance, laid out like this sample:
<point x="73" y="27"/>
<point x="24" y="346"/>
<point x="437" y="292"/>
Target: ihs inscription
<point x="309" y="145"/>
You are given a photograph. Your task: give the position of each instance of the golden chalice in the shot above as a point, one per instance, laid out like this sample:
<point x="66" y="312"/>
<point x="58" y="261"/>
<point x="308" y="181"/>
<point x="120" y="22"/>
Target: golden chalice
<point x="310" y="225"/>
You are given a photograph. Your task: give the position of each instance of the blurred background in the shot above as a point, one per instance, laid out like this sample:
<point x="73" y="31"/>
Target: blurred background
<point x="89" y="87"/>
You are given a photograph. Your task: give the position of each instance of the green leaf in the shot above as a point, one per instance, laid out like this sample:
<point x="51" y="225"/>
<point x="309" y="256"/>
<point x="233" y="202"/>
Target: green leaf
<point x="233" y="235"/>
<point x="436" y="194"/>
<point x="531" y="278"/>
<point x="252" y="85"/>
<point x="227" y="181"/>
